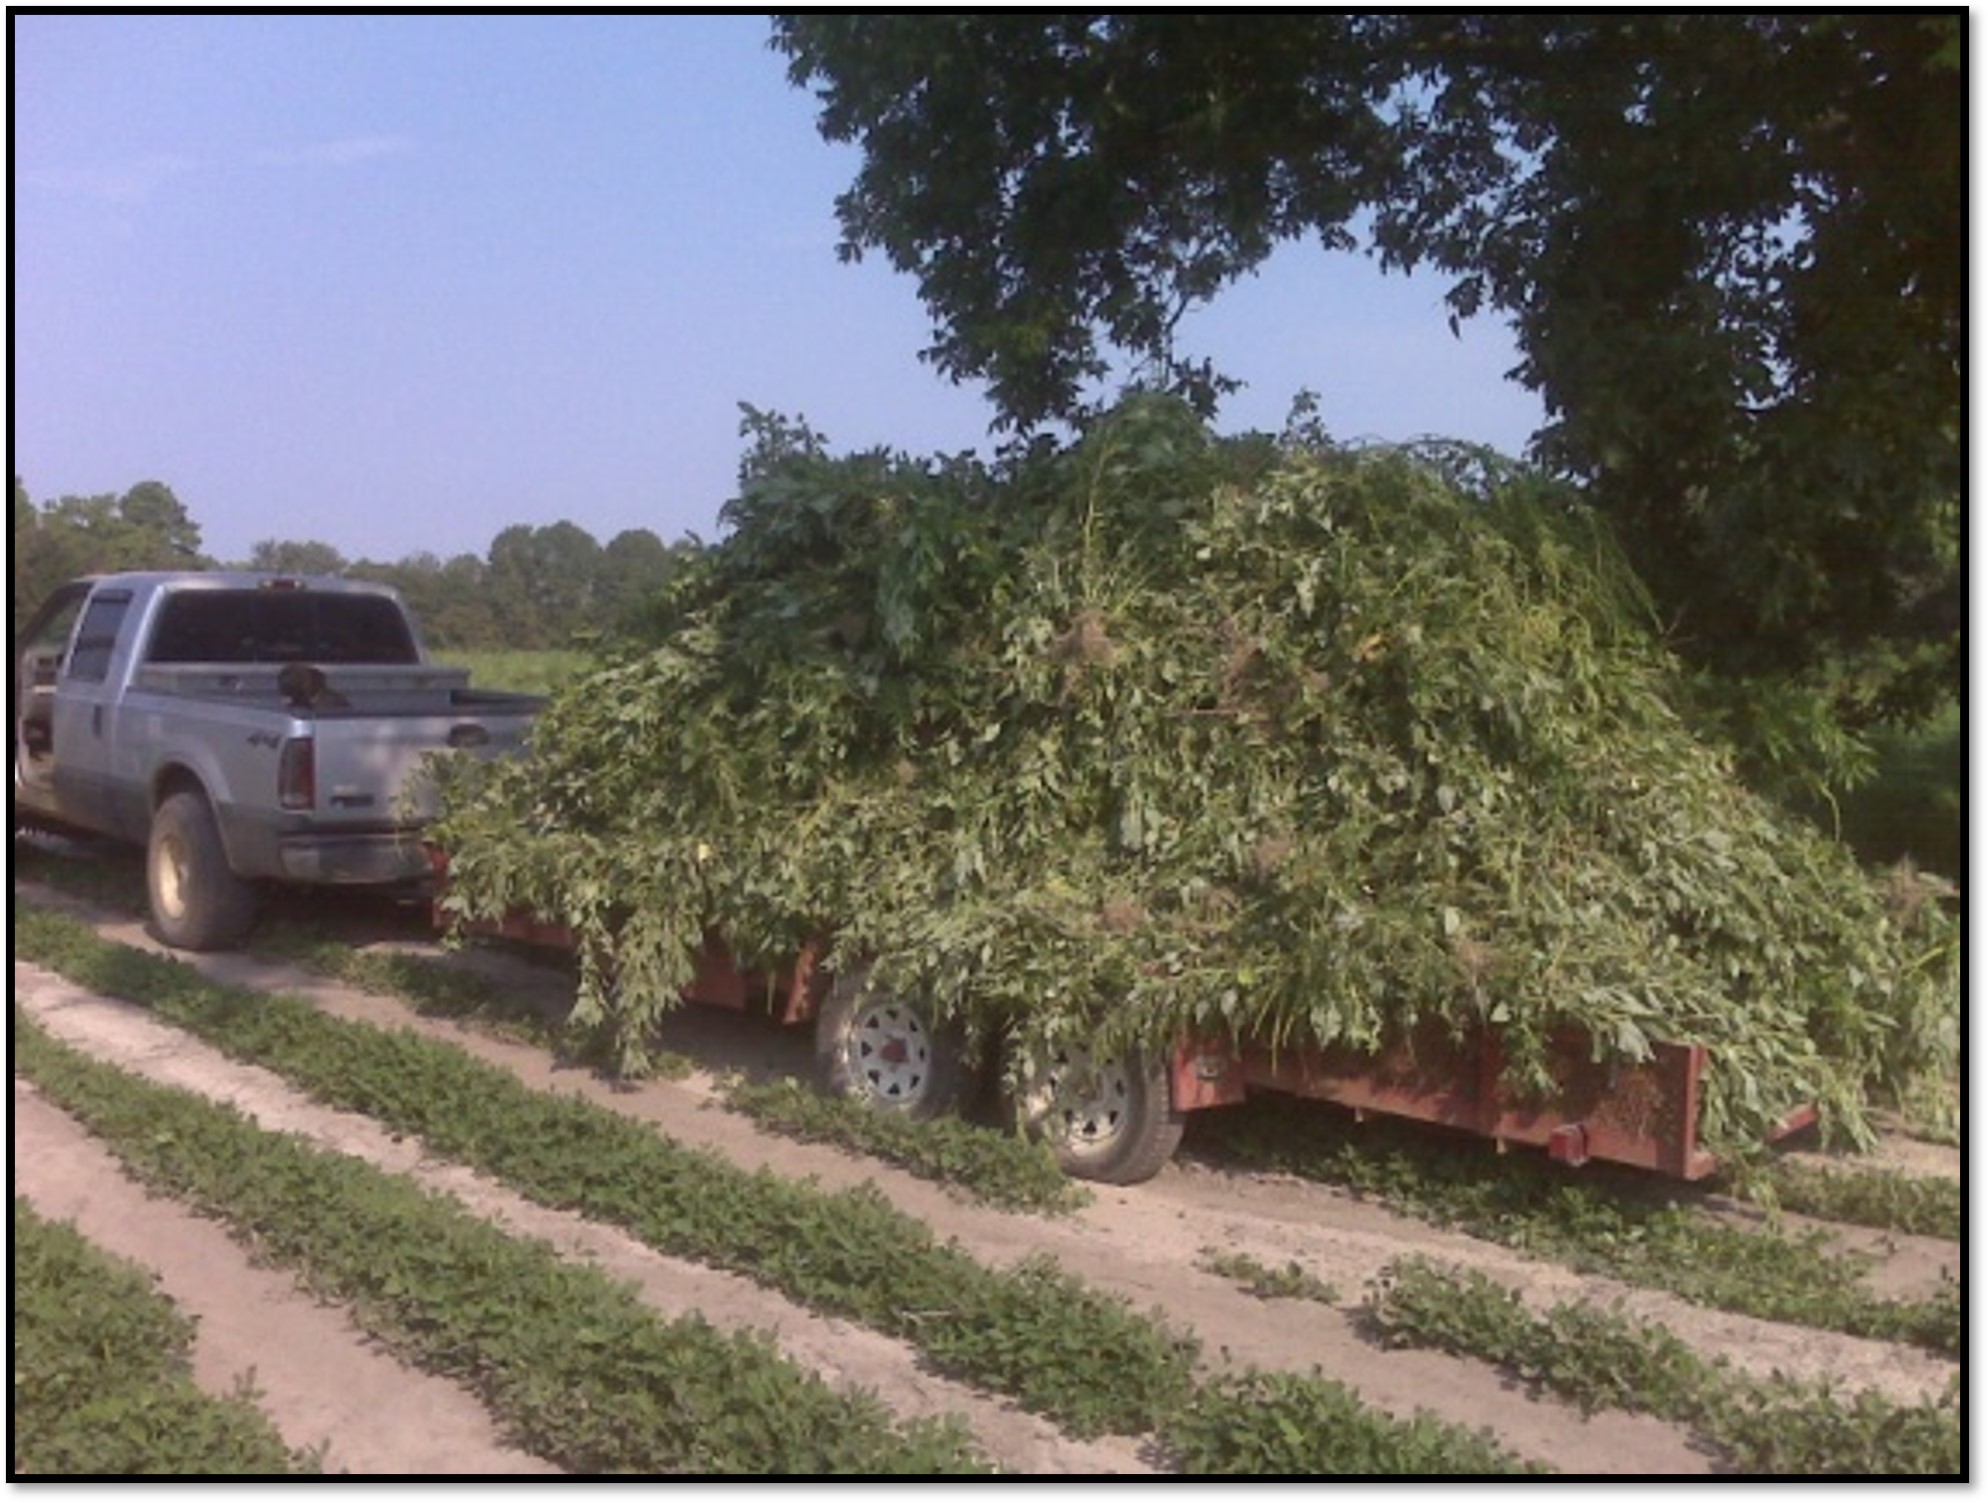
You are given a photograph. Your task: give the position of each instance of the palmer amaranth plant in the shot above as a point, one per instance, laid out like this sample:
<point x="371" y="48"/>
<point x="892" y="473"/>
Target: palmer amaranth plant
<point x="1161" y="735"/>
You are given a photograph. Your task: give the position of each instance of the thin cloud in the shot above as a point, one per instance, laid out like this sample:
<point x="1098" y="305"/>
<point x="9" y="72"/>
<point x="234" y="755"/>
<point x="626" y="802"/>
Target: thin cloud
<point x="142" y="178"/>
<point x="340" y="153"/>
<point x="124" y="182"/>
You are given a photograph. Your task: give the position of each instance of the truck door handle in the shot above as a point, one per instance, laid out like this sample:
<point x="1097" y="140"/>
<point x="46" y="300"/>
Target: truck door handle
<point x="97" y="720"/>
<point x="469" y="735"/>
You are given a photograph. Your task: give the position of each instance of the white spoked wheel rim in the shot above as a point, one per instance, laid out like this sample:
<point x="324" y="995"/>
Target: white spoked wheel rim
<point x="1081" y="1102"/>
<point x="890" y="1052"/>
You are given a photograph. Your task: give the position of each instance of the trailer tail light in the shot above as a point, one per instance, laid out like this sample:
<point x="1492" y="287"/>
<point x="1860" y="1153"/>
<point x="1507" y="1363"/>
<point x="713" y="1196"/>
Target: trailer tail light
<point x="297" y="774"/>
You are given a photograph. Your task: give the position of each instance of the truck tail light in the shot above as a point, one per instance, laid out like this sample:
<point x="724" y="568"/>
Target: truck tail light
<point x="297" y="774"/>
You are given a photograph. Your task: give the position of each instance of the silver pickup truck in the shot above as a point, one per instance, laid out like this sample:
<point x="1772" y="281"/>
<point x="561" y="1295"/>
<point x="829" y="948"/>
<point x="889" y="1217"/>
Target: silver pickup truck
<point x="243" y="728"/>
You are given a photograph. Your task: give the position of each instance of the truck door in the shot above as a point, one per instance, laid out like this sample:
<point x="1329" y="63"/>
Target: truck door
<point x="38" y="655"/>
<point x="81" y="724"/>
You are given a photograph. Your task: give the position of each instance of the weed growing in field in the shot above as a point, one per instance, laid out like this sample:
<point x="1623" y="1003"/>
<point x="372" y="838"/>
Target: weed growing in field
<point x="570" y="1361"/>
<point x="1287" y="1282"/>
<point x="993" y="1167"/>
<point x="101" y="1374"/>
<point x="1536" y="1208"/>
<point x="1281" y="1423"/>
<point x="1882" y="1199"/>
<point x="1930" y="1110"/>
<point x="1600" y="1359"/>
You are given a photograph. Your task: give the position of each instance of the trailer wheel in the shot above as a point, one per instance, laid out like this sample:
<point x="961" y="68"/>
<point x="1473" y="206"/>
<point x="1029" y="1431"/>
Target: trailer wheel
<point x="886" y="1051"/>
<point x="1112" y="1120"/>
<point x="197" y="900"/>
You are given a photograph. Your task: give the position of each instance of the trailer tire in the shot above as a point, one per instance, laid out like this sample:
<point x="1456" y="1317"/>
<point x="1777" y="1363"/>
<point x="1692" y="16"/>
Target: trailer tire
<point x="887" y="1052"/>
<point x="197" y="900"/>
<point x="1112" y="1122"/>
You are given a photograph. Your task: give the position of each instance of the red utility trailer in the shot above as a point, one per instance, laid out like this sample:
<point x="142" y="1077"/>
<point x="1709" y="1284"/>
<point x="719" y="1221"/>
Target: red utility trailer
<point x="1119" y="1120"/>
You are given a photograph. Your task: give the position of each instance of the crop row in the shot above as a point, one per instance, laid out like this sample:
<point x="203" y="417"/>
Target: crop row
<point x="1605" y="1359"/>
<point x="168" y="986"/>
<point x="573" y="1364"/>
<point x="1534" y="1208"/>
<point x="1581" y="1223"/>
<point x="102" y="1380"/>
<point x="1032" y="1333"/>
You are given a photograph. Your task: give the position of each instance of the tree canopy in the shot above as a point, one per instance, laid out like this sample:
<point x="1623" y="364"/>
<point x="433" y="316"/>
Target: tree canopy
<point x="541" y="587"/>
<point x="144" y="528"/>
<point x="1729" y="246"/>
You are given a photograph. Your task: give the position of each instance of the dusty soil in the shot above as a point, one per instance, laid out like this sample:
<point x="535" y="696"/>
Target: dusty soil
<point x="323" y="1383"/>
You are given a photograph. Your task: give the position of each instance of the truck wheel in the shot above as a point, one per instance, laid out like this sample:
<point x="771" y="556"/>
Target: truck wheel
<point x="885" y="1051"/>
<point x="197" y="901"/>
<point x="1112" y="1120"/>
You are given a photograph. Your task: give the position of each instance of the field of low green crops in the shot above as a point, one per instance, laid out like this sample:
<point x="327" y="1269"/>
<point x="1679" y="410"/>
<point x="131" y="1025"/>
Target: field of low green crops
<point x="540" y="672"/>
<point x="447" y="1292"/>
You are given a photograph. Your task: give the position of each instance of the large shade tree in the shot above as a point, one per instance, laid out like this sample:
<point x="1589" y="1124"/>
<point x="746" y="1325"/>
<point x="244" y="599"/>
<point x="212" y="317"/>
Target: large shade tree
<point x="1729" y="246"/>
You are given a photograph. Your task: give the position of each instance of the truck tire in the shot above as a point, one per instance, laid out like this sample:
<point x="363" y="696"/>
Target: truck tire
<point x="1111" y="1121"/>
<point x="197" y="901"/>
<point x="886" y="1051"/>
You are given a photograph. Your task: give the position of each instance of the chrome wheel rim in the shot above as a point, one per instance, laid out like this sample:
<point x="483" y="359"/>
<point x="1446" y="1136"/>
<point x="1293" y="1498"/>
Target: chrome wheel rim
<point x="170" y="875"/>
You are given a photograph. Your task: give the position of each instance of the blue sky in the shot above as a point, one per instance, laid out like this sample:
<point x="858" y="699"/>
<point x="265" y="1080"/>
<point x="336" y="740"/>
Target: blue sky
<point x="395" y="283"/>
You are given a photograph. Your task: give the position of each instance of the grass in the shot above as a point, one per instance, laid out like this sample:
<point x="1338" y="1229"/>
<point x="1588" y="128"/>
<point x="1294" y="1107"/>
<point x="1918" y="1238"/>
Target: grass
<point x="537" y="672"/>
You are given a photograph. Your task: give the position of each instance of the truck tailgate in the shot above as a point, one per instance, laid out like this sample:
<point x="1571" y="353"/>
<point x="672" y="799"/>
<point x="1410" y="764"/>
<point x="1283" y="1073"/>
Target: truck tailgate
<point x="369" y="765"/>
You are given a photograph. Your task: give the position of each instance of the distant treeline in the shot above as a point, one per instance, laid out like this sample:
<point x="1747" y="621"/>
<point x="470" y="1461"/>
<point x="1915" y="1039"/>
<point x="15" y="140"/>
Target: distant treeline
<point x="537" y="587"/>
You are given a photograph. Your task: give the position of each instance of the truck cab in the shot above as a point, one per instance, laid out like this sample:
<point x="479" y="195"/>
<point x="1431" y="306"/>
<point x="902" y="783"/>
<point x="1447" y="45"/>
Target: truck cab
<point x="244" y="728"/>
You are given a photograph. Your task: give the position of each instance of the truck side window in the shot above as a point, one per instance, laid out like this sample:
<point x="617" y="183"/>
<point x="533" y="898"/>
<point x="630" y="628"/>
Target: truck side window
<point x="89" y="658"/>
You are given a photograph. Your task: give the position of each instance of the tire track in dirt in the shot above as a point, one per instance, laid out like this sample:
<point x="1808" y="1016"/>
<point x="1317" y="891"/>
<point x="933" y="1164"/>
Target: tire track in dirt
<point x="846" y="1355"/>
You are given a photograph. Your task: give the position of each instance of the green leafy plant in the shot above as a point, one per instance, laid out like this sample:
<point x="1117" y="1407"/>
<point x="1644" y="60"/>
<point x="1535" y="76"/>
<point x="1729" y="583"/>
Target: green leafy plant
<point x="1881" y="1198"/>
<point x="102" y="1381"/>
<point x="1290" y="1281"/>
<point x="1587" y="1221"/>
<point x="993" y="1167"/>
<point x="567" y="1359"/>
<point x="1605" y="1359"/>
<point x="848" y="1253"/>
<point x="1158" y="734"/>
<point x="1285" y="1424"/>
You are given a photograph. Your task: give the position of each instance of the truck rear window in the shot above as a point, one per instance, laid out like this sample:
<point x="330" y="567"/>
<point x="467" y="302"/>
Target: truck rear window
<point x="210" y="625"/>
